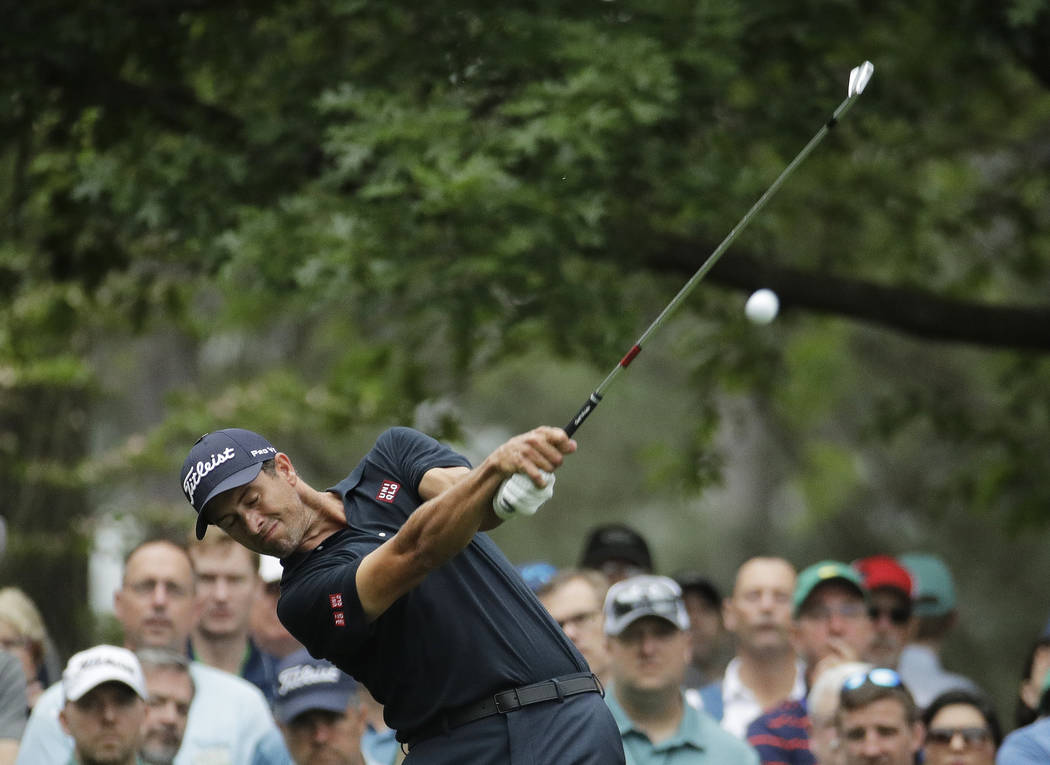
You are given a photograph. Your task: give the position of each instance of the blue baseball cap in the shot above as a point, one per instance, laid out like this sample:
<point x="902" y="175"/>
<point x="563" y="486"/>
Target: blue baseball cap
<point x="537" y="574"/>
<point x="305" y="684"/>
<point x="220" y="461"/>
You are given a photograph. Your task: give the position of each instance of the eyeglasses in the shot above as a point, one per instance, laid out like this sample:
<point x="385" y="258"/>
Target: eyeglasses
<point x="970" y="736"/>
<point x="898" y="616"/>
<point x="147" y="587"/>
<point x="824" y="613"/>
<point x="880" y="676"/>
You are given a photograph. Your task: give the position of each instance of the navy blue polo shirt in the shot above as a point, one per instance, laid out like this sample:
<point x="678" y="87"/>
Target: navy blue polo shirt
<point x="470" y="629"/>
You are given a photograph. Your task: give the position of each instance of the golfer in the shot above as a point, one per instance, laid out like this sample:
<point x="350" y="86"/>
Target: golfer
<point x="388" y="576"/>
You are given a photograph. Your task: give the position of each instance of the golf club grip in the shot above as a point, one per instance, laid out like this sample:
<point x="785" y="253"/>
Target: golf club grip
<point x="592" y="401"/>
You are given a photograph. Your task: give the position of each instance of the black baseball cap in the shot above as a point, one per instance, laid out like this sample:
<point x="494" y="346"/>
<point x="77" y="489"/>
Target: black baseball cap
<point x="616" y="541"/>
<point x="693" y="581"/>
<point x="219" y="461"/>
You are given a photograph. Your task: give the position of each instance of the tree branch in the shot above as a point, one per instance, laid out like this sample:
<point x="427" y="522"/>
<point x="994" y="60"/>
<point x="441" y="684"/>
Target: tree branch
<point x="907" y="310"/>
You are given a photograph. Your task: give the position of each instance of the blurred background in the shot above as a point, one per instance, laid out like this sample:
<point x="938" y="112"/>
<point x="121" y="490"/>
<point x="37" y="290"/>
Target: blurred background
<point x="318" y="220"/>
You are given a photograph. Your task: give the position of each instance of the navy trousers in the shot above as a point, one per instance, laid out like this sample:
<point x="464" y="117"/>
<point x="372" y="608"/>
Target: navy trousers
<point x="577" y="731"/>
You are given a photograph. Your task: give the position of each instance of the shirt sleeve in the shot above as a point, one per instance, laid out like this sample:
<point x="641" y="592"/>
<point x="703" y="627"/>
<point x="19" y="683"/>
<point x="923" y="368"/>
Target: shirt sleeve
<point x="412" y="454"/>
<point x="12" y="697"/>
<point x="322" y="609"/>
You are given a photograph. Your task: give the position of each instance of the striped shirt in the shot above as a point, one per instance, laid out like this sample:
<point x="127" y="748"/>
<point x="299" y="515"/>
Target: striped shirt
<point x="781" y="735"/>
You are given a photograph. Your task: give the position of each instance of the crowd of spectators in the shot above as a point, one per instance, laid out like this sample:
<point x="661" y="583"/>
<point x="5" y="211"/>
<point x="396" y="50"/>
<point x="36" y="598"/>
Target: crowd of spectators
<point x="835" y="662"/>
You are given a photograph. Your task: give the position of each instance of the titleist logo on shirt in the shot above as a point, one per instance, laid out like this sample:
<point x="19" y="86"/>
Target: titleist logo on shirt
<point x="303" y="675"/>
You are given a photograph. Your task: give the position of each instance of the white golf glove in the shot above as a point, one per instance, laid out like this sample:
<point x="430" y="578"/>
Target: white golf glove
<point x="518" y="495"/>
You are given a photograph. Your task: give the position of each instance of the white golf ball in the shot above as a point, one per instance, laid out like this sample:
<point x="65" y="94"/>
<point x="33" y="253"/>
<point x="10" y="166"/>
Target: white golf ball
<point x="762" y="306"/>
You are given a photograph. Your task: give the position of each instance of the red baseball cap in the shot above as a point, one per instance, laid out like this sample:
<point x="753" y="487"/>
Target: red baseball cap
<point x="884" y="571"/>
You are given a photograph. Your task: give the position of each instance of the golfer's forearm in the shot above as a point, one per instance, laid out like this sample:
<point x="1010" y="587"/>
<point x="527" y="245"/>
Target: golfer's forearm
<point x="445" y="524"/>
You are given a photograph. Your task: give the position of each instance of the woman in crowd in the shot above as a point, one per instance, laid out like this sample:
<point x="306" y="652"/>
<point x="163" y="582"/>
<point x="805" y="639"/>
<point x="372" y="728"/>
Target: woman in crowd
<point x="22" y="633"/>
<point x="962" y="728"/>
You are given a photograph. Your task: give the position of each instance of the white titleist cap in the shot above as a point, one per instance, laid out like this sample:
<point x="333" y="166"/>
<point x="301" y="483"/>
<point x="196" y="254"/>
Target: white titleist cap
<point x="102" y="664"/>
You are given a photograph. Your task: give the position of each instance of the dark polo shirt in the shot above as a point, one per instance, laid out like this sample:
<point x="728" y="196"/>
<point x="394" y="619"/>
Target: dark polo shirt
<point x="470" y="629"/>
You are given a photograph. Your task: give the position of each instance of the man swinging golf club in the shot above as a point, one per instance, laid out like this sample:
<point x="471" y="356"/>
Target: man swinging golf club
<point x="389" y="576"/>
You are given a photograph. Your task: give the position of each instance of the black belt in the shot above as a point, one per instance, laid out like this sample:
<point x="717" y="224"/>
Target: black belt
<point x="505" y="701"/>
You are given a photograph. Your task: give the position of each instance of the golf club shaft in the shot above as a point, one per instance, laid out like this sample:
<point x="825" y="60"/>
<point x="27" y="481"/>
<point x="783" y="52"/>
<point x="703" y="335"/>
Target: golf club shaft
<point x="595" y="398"/>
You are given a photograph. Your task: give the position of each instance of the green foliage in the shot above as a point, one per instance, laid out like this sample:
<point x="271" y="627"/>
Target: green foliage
<point x="318" y="219"/>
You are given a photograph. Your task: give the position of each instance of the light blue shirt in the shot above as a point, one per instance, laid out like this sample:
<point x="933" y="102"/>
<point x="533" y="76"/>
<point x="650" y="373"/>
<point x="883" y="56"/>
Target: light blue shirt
<point x="920" y="669"/>
<point x="1029" y="745"/>
<point x="699" y="740"/>
<point x="228" y="718"/>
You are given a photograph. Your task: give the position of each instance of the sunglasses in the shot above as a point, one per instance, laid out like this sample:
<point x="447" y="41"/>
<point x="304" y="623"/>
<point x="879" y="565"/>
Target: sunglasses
<point x="898" y="616"/>
<point x="824" y="613"/>
<point x="880" y="676"/>
<point x="970" y="736"/>
<point x="655" y="596"/>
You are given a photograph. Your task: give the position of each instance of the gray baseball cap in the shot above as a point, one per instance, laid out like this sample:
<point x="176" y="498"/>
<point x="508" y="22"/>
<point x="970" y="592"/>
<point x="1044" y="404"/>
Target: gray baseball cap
<point x="644" y="595"/>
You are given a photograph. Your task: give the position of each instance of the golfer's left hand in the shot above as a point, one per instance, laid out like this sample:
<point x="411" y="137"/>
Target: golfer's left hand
<point x="518" y="495"/>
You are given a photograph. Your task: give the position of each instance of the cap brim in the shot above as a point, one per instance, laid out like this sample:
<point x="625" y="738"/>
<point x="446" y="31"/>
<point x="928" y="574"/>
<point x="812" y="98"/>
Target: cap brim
<point x="630" y="619"/>
<point x="86" y="687"/>
<point x="241" y="477"/>
<point x="329" y="701"/>
<point x="859" y="589"/>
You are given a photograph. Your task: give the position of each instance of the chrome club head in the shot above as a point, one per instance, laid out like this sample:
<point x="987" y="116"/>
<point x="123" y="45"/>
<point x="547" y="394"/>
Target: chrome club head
<point x="859" y="77"/>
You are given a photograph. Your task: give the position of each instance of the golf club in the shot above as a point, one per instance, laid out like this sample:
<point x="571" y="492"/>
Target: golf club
<point x="858" y="79"/>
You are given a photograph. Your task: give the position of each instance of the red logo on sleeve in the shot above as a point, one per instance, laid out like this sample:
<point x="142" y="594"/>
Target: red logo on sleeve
<point x="336" y="600"/>
<point x="340" y="620"/>
<point x="388" y="491"/>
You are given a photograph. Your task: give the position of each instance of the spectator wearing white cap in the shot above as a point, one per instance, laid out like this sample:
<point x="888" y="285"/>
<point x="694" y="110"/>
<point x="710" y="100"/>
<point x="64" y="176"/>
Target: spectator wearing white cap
<point x="229" y="716"/>
<point x="105" y="705"/>
<point x="648" y="630"/>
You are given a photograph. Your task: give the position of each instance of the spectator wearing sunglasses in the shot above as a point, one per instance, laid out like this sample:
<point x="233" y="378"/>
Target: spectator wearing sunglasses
<point x="822" y="702"/>
<point x="962" y="728"/>
<point x="648" y="630"/>
<point x="889" y="588"/>
<point x="878" y="720"/>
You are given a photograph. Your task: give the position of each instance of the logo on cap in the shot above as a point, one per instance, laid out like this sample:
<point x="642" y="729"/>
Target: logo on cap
<point x="202" y="468"/>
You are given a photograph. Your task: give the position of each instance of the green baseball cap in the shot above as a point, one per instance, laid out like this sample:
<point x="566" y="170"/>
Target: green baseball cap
<point x="825" y="571"/>
<point x="934" y="587"/>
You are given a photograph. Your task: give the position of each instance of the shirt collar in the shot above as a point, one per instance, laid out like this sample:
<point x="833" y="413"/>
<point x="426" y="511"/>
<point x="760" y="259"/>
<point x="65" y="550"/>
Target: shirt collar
<point x="733" y="688"/>
<point x="687" y="734"/>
